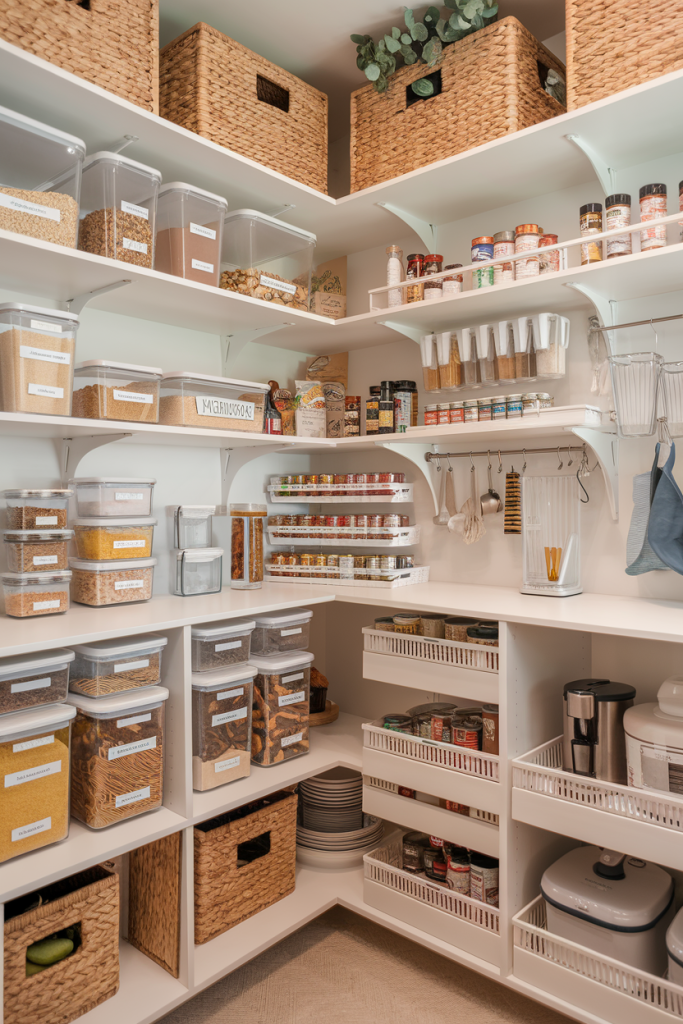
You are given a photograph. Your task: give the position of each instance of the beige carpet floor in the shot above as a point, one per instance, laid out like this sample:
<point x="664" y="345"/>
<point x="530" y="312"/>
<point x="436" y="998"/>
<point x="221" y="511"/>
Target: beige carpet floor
<point x="343" y="968"/>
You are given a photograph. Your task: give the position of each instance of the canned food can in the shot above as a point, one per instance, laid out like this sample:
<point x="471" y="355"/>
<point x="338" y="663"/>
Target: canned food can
<point x="467" y="733"/>
<point x="458" y="873"/>
<point x="441" y="726"/>
<point x="484" y="879"/>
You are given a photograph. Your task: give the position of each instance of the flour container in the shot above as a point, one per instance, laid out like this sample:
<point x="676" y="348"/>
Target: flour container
<point x="189" y="232"/>
<point x="37" y="348"/>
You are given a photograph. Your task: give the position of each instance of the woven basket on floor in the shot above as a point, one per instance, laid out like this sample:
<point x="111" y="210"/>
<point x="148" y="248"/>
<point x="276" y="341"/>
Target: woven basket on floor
<point x="226" y="894"/>
<point x="614" y="44"/>
<point x="154" y="901"/>
<point x="491" y="86"/>
<point x="73" y="986"/>
<point x="112" y="43"/>
<point x="224" y="92"/>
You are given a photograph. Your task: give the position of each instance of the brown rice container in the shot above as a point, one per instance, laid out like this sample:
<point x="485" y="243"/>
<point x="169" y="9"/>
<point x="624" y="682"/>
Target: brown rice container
<point x="434" y="625"/>
<point x="456" y="627"/>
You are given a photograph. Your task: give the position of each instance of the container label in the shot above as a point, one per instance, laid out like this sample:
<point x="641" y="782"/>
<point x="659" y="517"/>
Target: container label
<point x="290" y="632"/>
<point x="199" y="229"/>
<point x="291" y="698"/>
<point x="201" y="265"/>
<point x="41" y="606"/>
<point x="222" y="766"/>
<point x="45" y="391"/>
<point x="137" y="211"/>
<point x="225" y="408"/>
<point x="41" y="771"/>
<point x="131" y="748"/>
<point x="129" y="585"/>
<point x="239" y="692"/>
<point x="46" y="520"/>
<point x="132" y="396"/>
<point x="44" y="825"/>
<point x="287" y="741"/>
<point x="45" y="560"/>
<point x="31" y="684"/>
<point x="129" y="543"/>
<point x="128" y="496"/>
<point x="42" y="741"/>
<point x="228" y="716"/>
<point x="132" y="798"/>
<point x="14" y="203"/>
<point x="130" y="243"/>
<point x="44" y="325"/>
<point x="232" y="646"/>
<point x="45" y="355"/>
<point x="292" y="679"/>
<point x="122" y="723"/>
<point x="280" y="286"/>
<point x="130" y="666"/>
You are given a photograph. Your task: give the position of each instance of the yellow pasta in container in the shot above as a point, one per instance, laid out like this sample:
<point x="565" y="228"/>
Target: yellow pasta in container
<point x="104" y="539"/>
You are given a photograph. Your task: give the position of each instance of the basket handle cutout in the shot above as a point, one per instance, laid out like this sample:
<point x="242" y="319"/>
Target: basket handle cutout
<point x="435" y="79"/>
<point x="72" y="934"/>
<point x="85" y="4"/>
<point x="252" y="849"/>
<point x="269" y="92"/>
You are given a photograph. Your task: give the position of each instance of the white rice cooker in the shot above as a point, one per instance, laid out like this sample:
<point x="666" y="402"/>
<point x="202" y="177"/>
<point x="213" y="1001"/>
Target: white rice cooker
<point x="674" y="948"/>
<point x="619" y="906"/>
<point x="654" y="740"/>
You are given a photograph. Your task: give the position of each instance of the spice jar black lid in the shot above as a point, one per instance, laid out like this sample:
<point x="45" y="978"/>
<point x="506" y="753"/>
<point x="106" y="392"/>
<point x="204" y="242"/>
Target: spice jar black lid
<point x="618" y="199"/>
<point x="405" y="385"/>
<point x="376" y="389"/>
<point x="388" y="384"/>
<point x="652" y="190"/>
<point x="454" y="266"/>
<point x="483" y="632"/>
<point x="590" y="208"/>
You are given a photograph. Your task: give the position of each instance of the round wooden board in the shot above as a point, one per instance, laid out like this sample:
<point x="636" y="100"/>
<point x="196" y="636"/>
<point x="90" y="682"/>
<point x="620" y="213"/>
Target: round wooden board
<point x="330" y="714"/>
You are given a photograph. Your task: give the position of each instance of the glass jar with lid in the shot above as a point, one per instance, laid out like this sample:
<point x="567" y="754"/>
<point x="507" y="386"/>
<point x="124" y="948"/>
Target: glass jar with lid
<point x="433" y="264"/>
<point x="526" y="240"/>
<point x="246" y="572"/>
<point x="503" y="245"/>
<point x="452" y="285"/>
<point x="414" y="292"/>
<point x="514" y="406"/>
<point x="471" y="411"/>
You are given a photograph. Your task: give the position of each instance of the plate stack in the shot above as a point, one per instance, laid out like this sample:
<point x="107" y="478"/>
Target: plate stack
<point x="332" y="829"/>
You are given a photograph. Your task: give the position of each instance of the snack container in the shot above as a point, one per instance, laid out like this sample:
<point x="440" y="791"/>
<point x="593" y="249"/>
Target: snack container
<point x="34" y="765"/>
<point x="41" y="179"/>
<point x="37" y="550"/>
<point x="36" y="593"/>
<point x="112" y="582"/>
<point x="192" y="526"/>
<point x="221" y="645"/>
<point x="189" y="232"/>
<point x="221" y="726"/>
<point x="104" y="496"/>
<point x="29" y="509"/>
<point x="100" y="539"/>
<point x="118" y="208"/>
<point x="105" y="667"/>
<point x="267" y="259"/>
<point x="197" y="571"/>
<point x="281" y="632"/>
<point x="117" y="755"/>
<point x="37" y="348"/>
<point x="217" y="403"/>
<point x="104" y="390"/>
<point x="281" y="708"/>
<point x="33" y="679"/>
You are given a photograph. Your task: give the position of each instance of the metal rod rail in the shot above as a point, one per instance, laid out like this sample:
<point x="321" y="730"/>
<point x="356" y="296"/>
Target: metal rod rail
<point x="430" y="456"/>
<point x="636" y="323"/>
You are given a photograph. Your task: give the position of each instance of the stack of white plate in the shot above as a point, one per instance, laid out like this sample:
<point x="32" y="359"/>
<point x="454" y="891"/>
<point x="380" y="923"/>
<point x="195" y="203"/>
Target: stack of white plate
<point x="332" y="828"/>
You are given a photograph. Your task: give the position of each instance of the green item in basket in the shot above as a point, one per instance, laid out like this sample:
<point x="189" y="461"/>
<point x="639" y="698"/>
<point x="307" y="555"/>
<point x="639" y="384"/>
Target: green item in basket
<point x="34" y="968"/>
<point x="49" y="951"/>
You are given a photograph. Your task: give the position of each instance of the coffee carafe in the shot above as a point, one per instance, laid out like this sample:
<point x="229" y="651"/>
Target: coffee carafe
<point x="594" y="742"/>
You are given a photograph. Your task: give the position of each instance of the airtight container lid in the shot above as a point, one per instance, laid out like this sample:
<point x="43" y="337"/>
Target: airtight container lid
<point x="286" y="618"/>
<point x="56" y="314"/>
<point x="23" y="492"/>
<point x="114" y="521"/>
<point x="28" y="663"/>
<point x="674" y="939"/>
<point x="16" y="536"/>
<point x="24" y="579"/>
<point x="34" y="720"/>
<point x="195" y="511"/>
<point x="631" y="903"/>
<point x="201" y="193"/>
<point x="111" y="566"/>
<point x="223" y="677"/>
<point x="38" y="128"/>
<point x="281" y="662"/>
<point x="272" y="222"/>
<point x="198" y="554"/>
<point x="104" y="649"/>
<point x="118" y="158"/>
<point x="104" y="707"/>
<point x="186" y="376"/>
<point x="144" y="481"/>
<point x="649" y="723"/>
<point x="109" y="365"/>
<point x="222" y="629"/>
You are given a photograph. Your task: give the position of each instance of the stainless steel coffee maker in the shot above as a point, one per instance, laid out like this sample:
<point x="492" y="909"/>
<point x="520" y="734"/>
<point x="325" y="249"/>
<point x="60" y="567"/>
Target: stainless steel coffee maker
<point x="594" y="742"/>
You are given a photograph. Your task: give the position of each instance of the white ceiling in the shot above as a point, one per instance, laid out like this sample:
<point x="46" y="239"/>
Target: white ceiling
<point x="311" y="39"/>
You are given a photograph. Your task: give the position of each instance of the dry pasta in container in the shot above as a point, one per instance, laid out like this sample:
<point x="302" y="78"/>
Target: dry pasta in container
<point x="281" y="632"/>
<point x="104" y="496"/>
<point x="37" y="348"/>
<point x="189" y="232"/>
<point x="111" y="666"/>
<point x="220" y="645"/>
<point x="104" y="390"/>
<point x="110" y="538"/>
<point x="118" y="208"/>
<point x="197" y="571"/>
<point x="33" y="679"/>
<point x="36" y="593"/>
<point x="281" y="708"/>
<point x="221" y="726"/>
<point x="114" y="582"/>
<point x="217" y="403"/>
<point x="117" y="755"/>
<point x="37" y="550"/>
<point x="267" y="259"/>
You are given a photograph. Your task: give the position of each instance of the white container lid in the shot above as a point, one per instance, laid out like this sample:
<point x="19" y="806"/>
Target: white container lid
<point x="103" y="649"/>
<point x="114" y="565"/>
<point x="12" y="117"/>
<point x="281" y="662"/>
<point x="286" y="618"/>
<point x="43" y="493"/>
<point x="25" y="578"/>
<point x="34" y="720"/>
<point x="29" y="663"/>
<point x="111" y="479"/>
<point x="220" y="677"/>
<point x="674" y="939"/>
<point x="198" y="554"/>
<point x="109" y="365"/>
<point x="103" y="707"/>
<point x="195" y="511"/>
<point x="662" y="723"/>
<point x="265" y="219"/>
<point x="182" y="186"/>
<point x="633" y="903"/>
<point x="118" y="158"/>
<point x="203" y="378"/>
<point x="222" y="629"/>
<point x="15" y="536"/>
<point x="56" y="314"/>
<point x="114" y="521"/>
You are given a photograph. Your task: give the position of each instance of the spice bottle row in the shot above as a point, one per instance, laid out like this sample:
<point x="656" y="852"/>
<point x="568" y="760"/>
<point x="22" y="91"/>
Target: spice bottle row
<point x="340" y="485"/>
<point x="339" y="527"/>
<point x="286" y="565"/>
<point x="456" y="867"/>
<point x="616" y="213"/>
<point x="502" y="407"/>
<point x="460" y="628"/>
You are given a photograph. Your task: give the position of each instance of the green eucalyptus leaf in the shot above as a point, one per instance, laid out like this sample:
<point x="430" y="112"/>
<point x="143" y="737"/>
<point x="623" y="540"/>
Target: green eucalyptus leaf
<point x="396" y="32"/>
<point x="409" y="17"/>
<point x="357" y="39"/>
<point x="372" y="72"/>
<point x="393" y="45"/>
<point x="471" y="8"/>
<point x="441" y="28"/>
<point x="409" y="56"/>
<point x="464" y="25"/>
<point x="431" y="51"/>
<point x="419" y="32"/>
<point x="490" y="12"/>
<point x="423" y="87"/>
<point x="406" y="39"/>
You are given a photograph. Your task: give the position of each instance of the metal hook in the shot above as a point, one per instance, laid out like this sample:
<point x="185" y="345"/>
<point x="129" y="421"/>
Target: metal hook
<point x="571" y="460"/>
<point x="559" y="459"/>
<point x="524" y="454"/>
<point x="655" y="334"/>
<point x="489" y="455"/>
<point x="579" y="474"/>
<point x="500" y="463"/>
<point x="471" y="463"/>
<point x="450" y="468"/>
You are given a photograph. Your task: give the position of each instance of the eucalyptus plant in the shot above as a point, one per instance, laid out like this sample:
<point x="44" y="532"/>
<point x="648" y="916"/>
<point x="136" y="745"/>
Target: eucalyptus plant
<point x="420" y="40"/>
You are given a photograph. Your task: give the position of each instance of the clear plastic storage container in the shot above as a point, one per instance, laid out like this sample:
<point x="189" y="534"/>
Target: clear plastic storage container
<point x="221" y="726"/>
<point x="192" y="526"/>
<point x="104" y="496"/>
<point x="37" y="348"/>
<point x="189" y="232"/>
<point x="34" y="767"/>
<point x="29" y="509"/>
<point x="37" y="550"/>
<point x="98" y="583"/>
<point x="111" y="666"/>
<point x="33" y="679"/>
<point x="217" y="403"/>
<point x="197" y="571"/>
<point x="246" y="545"/>
<point x="118" y="208"/>
<point x="267" y="259"/>
<point x="36" y="593"/>
<point x="104" y="390"/>
<point x="117" y="757"/>
<point x="281" y="632"/>
<point x="40" y="179"/>
<point x="281" y="708"/>
<point x="221" y="645"/>
<point x="102" y="539"/>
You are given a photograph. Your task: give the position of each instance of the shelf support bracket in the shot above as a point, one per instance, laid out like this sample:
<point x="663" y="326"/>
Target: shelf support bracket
<point x="279" y="211"/>
<point x="605" y="174"/>
<point x="414" y="333"/>
<point x="606" y="449"/>
<point x="72" y="449"/>
<point x="415" y="453"/>
<point x="422" y="229"/>
<point x="233" y="459"/>
<point x="79" y="302"/>
<point x="122" y="143"/>
<point x="233" y="344"/>
<point x="603" y="307"/>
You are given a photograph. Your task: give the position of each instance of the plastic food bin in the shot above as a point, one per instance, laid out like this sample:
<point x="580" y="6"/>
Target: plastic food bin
<point x="99" y="583"/>
<point x="118" y="208"/>
<point x="41" y="179"/>
<point x="267" y="259"/>
<point x="111" y="666"/>
<point x="189" y="232"/>
<point x="37" y="348"/>
<point x="197" y="571"/>
<point x="281" y="708"/>
<point x="107" y="538"/>
<point x="37" y="550"/>
<point x="221" y="726"/>
<point x="192" y="526"/>
<point x="282" y="632"/>
<point x="29" y="509"/>
<point x="221" y="645"/>
<point x="36" y="593"/>
<point x="117" y="758"/>
<point x="116" y="391"/>
<point x="33" y="679"/>
<point x="217" y="403"/>
<point x="104" y="496"/>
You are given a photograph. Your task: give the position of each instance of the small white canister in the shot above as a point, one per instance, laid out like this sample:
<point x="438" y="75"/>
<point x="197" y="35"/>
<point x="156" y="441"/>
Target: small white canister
<point x="654" y="740"/>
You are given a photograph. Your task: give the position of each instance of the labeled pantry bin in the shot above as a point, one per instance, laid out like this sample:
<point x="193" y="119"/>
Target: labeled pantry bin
<point x="221" y="726"/>
<point x="37" y="550"/>
<point x="34" y="763"/>
<point x="110" y="538"/>
<point x="32" y="509"/>
<point x="281" y="632"/>
<point x="117" y="756"/>
<point x="37" y="348"/>
<point x="221" y="645"/>
<point x="197" y="571"/>
<point x="281" y="708"/>
<point x="112" y="582"/>
<point x="104" y="496"/>
<point x="104" y="390"/>
<point x="83" y="908"/>
<point x="267" y="259"/>
<point x="217" y="403"/>
<point x="244" y="861"/>
<point x="105" y="667"/>
<point x="118" y="208"/>
<point x="30" y="680"/>
<point x="41" y="178"/>
<point x="36" y="593"/>
<point x="189" y="232"/>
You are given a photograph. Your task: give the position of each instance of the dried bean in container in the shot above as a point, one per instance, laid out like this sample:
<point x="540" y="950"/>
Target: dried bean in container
<point x="51" y="216"/>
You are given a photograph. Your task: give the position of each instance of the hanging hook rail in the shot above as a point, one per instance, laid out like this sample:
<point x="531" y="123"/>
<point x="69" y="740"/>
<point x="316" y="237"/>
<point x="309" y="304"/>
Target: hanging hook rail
<point x="636" y="323"/>
<point x="436" y="456"/>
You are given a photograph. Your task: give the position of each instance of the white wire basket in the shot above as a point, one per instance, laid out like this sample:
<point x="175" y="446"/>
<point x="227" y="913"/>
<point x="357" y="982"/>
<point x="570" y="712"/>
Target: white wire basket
<point x="330" y="576"/>
<point x="332" y="494"/>
<point x="347" y="536"/>
<point x="439" y="652"/>
<point x="443" y="755"/>
<point x="384" y="865"/>
<point x="393" y="787"/>
<point x="387" y="787"/>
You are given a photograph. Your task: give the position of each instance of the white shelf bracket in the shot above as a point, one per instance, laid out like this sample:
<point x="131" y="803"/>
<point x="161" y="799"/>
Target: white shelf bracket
<point x="606" y="449"/>
<point x="232" y="460"/>
<point x="414" y="333"/>
<point x="72" y="449"/>
<point x="233" y="344"/>
<point x="415" y="453"/>
<point x="421" y="228"/>
<point x="78" y="303"/>
<point x="121" y="144"/>
<point x="605" y="174"/>
<point x="603" y="307"/>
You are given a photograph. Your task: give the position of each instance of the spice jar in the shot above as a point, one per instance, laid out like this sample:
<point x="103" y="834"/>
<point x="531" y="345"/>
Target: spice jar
<point x="351" y="416"/>
<point x="452" y="285"/>
<point x="197" y="571"/>
<point x="513" y="406"/>
<point x="484" y="409"/>
<point x="282" y="632"/>
<point x="526" y="240"/>
<point x="530" y="403"/>
<point x="37" y="550"/>
<point x="431" y="415"/>
<point x="467" y="732"/>
<point x="499" y="408"/>
<point x="545" y="400"/>
<point x="37" y="348"/>
<point x="372" y="410"/>
<point x="548" y="262"/>
<point x="404" y="623"/>
<point x="482" y="251"/>
<point x="433" y="264"/>
<point x="414" y="846"/>
<point x="246" y="548"/>
<point x="591" y="224"/>
<point x="652" y="207"/>
<point x="394" y="274"/>
<point x="456" y="412"/>
<point x="221" y="726"/>
<point x="414" y="292"/>
<point x="443" y="412"/>
<point x="503" y="245"/>
<point x="405" y="404"/>
<point x="618" y="215"/>
<point x="471" y="411"/>
<point x="386" y="408"/>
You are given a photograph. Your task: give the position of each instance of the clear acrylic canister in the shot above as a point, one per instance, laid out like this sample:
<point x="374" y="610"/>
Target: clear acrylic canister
<point x="468" y="356"/>
<point x="448" y="357"/>
<point x="113" y="495"/>
<point x="192" y="526"/>
<point x="672" y="394"/>
<point x="635" y="381"/>
<point x="189" y="232"/>
<point x="246" y="547"/>
<point x="37" y="349"/>
<point x="430" y="362"/>
<point x="105" y="390"/>
<point x="197" y="571"/>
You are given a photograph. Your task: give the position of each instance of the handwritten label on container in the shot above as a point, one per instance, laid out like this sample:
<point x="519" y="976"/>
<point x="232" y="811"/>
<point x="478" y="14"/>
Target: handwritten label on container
<point x="35" y="209"/>
<point x="291" y="698"/>
<point x="132" y="798"/>
<point x="45" y="560"/>
<point x="225" y="408"/>
<point x="42" y="741"/>
<point x="132" y="396"/>
<point x="137" y="211"/>
<point x="280" y="286"/>
<point x="45" y="391"/>
<point x="44" y="825"/>
<point x="31" y="684"/>
<point x="41" y="771"/>
<point x="43" y="606"/>
<point x="201" y="265"/>
<point x="290" y="632"/>
<point x="129" y="543"/>
<point x="232" y="646"/>
<point x="129" y="585"/>
<point x="199" y="229"/>
<point x="287" y="741"/>
<point x="228" y="716"/>
<point x="44" y="355"/>
<point x="130" y="243"/>
<point x="131" y="748"/>
<point x="239" y="692"/>
<point x="222" y="766"/>
<point x="122" y="723"/>
<point x="130" y="666"/>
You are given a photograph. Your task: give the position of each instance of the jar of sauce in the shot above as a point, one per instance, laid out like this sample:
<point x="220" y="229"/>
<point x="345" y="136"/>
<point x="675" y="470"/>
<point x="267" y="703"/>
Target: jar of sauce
<point x="414" y="292"/>
<point x="452" y="285"/>
<point x="433" y="264"/>
<point x="548" y="262"/>
<point x="591" y="224"/>
<point x="503" y="245"/>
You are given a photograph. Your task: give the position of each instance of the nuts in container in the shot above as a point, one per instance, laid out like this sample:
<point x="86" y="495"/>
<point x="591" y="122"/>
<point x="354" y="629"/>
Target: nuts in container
<point x="281" y="708"/>
<point x="116" y="582"/>
<point x="267" y="259"/>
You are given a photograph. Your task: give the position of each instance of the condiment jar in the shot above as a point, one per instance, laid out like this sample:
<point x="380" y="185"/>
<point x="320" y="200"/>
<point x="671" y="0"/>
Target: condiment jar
<point x="530" y="403"/>
<point x="414" y="292"/>
<point x="456" y="412"/>
<point x="431" y="415"/>
<point x="499" y="408"/>
<point x="548" y="262"/>
<point x="452" y="285"/>
<point x="372" y="410"/>
<point x="503" y="245"/>
<point x="652" y="207"/>
<point x="482" y="251"/>
<point x="408" y="624"/>
<point x="618" y="215"/>
<point x="394" y="274"/>
<point x="471" y="411"/>
<point x="591" y="224"/>
<point x="526" y="240"/>
<point x="513" y="405"/>
<point x="484" y="409"/>
<point x="433" y="264"/>
<point x="405" y="404"/>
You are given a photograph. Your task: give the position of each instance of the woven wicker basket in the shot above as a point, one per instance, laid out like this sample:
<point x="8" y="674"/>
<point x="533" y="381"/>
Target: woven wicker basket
<point x="490" y="86"/>
<point x="154" y="901"/>
<point x="614" y="44"/>
<point x="73" y="986"/>
<point x="225" y="894"/>
<point x="212" y="85"/>
<point x="111" y="43"/>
